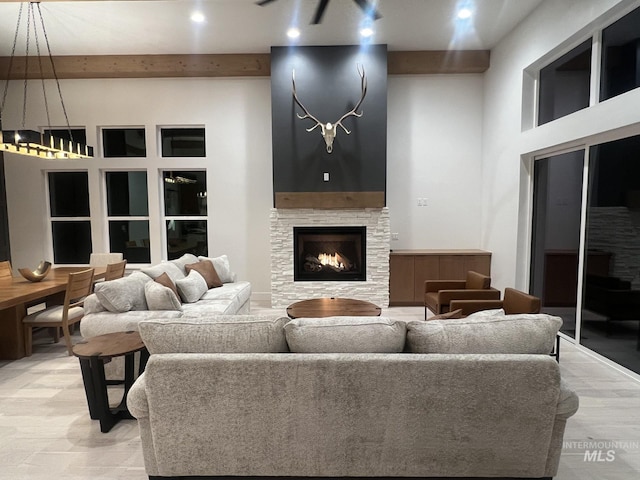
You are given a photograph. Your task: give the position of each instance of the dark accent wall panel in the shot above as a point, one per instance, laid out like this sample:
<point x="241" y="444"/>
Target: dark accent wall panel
<point x="328" y="84"/>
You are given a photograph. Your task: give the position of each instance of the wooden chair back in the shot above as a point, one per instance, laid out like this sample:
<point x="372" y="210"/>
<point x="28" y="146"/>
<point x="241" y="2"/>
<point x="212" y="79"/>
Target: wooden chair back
<point x="115" y="270"/>
<point x="5" y="269"/>
<point x="80" y="286"/>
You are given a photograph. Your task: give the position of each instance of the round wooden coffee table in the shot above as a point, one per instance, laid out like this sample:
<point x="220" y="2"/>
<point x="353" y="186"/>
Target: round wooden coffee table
<point x="332" y="307"/>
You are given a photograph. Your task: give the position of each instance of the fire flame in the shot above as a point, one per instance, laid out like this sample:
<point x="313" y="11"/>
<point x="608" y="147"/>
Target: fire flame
<point x="331" y="260"/>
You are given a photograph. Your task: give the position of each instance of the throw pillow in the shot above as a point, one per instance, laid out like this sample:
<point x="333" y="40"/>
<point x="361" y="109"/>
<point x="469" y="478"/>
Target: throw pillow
<point x="166" y="281"/>
<point x="216" y="334"/>
<point x="221" y="264"/>
<point x="443" y="316"/>
<point x="345" y="335"/>
<point x="174" y="272"/>
<point x="206" y="269"/>
<point x="160" y="297"/>
<point x="192" y="287"/>
<point x="123" y="294"/>
<point x="183" y="261"/>
<point x="526" y="333"/>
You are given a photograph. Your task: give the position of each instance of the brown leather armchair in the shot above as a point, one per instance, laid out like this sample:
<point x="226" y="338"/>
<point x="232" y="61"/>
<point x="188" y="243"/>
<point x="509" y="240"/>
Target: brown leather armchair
<point x="438" y="294"/>
<point x="514" y="302"/>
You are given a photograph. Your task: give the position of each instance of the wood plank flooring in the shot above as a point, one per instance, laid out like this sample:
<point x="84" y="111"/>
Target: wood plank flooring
<point x="46" y="432"/>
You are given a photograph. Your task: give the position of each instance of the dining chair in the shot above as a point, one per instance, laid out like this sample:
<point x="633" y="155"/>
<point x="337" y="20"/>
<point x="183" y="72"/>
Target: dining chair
<point x="80" y="285"/>
<point x="5" y="269"/>
<point x="104" y="259"/>
<point x="115" y="270"/>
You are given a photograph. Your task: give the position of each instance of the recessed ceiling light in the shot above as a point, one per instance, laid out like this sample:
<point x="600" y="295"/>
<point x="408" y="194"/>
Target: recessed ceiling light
<point x="293" y="32"/>
<point x="366" y="32"/>
<point x="197" y="17"/>
<point x="464" y="13"/>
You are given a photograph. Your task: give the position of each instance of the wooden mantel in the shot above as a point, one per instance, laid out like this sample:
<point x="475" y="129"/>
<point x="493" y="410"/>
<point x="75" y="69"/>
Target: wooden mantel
<point x="227" y="65"/>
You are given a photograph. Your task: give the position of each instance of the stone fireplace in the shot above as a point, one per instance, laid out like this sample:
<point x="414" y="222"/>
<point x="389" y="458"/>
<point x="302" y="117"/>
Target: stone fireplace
<point x="300" y="236"/>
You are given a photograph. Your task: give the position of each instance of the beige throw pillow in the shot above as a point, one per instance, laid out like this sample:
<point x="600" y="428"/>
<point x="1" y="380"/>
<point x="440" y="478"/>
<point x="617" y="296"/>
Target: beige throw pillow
<point x="192" y="287"/>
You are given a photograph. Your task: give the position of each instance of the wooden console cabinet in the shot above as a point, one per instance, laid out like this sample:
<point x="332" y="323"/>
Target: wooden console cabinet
<point x="408" y="270"/>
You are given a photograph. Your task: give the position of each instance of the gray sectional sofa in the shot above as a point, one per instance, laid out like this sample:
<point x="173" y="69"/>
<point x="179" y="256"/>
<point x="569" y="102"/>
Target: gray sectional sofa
<point x="250" y="396"/>
<point x="120" y="305"/>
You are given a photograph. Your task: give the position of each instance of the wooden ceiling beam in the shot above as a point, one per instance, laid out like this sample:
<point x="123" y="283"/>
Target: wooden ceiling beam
<point x="224" y="65"/>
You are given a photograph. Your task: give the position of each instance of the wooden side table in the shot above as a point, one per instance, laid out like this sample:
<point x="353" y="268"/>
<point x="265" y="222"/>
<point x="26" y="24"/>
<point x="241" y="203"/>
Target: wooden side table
<point x="330" y="307"/>
<point x="93" y="354"/>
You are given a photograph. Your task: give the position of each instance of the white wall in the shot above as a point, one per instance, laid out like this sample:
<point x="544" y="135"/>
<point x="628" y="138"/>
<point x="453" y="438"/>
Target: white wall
<point x="506" y="179"/>
<point x="434" y="152"/>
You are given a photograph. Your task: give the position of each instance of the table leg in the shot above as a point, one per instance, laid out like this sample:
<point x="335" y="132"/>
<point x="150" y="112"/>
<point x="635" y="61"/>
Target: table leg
<point x="12" y="333"/>
<point x="89" y="387"/>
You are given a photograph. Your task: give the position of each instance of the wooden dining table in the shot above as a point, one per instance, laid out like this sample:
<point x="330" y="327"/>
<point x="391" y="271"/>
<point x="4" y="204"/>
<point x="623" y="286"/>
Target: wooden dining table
<point x="17" y="294"/>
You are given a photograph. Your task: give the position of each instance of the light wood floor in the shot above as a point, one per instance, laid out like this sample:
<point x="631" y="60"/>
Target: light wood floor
<point x="46" y="433"/>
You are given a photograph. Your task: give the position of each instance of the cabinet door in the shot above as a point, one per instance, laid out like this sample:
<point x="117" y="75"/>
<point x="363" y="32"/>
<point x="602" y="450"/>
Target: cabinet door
<point x="401" y="281"/>
<point x="427" y="268"/>
<point x="478" y="263"/>
<point x="452" y="267"/>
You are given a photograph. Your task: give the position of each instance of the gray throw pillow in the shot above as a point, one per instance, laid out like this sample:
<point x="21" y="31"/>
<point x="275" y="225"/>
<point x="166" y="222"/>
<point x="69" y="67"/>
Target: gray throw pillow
<point x="160" y="297"/>
<point x="345" y="335"/>
<point x="175" y="273"/>
<point x="192" y="288"/>
<point x="221" y="264"/>
<point x="523" y="333"/>
<point x="185" y="259"/>
<point x="215" y="334"/>
<point x="123" y="294"/>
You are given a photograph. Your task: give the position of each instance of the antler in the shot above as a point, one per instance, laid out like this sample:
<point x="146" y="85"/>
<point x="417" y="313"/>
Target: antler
<point x="306" y="112"/>
<point x="353" y="112"/>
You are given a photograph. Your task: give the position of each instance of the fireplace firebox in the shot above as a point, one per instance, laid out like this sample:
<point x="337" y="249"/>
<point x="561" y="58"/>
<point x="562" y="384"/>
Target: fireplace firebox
<point x="329" y="253"/>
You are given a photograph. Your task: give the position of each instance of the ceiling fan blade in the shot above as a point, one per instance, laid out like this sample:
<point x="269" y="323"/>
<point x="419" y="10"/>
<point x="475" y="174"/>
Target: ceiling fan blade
<point x="264" y="2"/>
<point x="369" y="9"/>
<point x="320" y="11"/>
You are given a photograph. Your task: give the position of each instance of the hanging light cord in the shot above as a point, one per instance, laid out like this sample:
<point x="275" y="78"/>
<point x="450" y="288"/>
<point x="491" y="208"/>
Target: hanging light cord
<point x="13" y="52"/>
<point x="44" y="91"/>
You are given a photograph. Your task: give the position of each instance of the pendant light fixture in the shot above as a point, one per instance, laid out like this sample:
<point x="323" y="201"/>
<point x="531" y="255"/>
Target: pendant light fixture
<point x="30" y="142"/>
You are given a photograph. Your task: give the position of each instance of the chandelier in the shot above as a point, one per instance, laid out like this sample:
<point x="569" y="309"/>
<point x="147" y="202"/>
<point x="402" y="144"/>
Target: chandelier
<point x="31" y="142"/>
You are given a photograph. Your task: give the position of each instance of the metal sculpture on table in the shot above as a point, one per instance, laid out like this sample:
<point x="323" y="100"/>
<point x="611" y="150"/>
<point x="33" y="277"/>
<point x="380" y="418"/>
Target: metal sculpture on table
<point x="329" y="130"/>
<point x="41" y="271"/>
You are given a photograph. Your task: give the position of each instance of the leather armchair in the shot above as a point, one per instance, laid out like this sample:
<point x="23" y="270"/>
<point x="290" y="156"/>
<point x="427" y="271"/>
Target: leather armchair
<point x="438" y="294"/>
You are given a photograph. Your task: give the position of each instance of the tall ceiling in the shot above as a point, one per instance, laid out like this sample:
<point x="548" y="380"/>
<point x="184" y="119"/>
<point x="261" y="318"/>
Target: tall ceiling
<point x="141" y="27"/>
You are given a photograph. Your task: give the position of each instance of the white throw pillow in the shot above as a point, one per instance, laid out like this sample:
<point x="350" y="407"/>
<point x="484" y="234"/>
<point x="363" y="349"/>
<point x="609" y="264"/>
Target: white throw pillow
<point x="192" y="288"/>
<point x="184" y="260"/>
<point x="160" y="297"/>
<point x="171" y="269"/>
<point x="123" y="294"/>
<point x="221" y="264"/>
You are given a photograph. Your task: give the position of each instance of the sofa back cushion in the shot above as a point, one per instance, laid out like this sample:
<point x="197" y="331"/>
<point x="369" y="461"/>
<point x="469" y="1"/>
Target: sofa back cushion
<point x="192" y="287"/>
<point x="215" y="334"/>
<point x="174" y="271"/>
<point x="160" y="297"/>
<point x="223" y="269"/>
<point x="526" y="333"/>
<point x="123" y="294"/>
<point x="345" y="335"/>
<point x="183" y="261"/>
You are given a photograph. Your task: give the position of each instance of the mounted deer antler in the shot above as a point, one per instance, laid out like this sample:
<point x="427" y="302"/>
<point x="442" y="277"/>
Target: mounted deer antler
<point x="328" y="129"/>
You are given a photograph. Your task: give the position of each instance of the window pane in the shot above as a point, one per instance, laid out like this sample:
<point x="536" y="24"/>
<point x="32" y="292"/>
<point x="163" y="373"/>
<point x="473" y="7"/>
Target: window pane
<point x="565" y="84"/>
<point x="557" y="203"/>
<point x="71" y="242"/>
<point x="124" y="142"/>
<point x="185" y="193"/>
<point x="611" y="306"/>
<point x="69" y="194"/>
<point x="127" y="193"/>
<point x="182" y="142"/>
<point x="620" y="56"/>
<point x="186" y="236"/>
<point x="131" y="238"/>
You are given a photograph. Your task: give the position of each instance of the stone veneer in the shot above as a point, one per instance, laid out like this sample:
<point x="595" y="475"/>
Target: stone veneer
<point x="285" y="291"/>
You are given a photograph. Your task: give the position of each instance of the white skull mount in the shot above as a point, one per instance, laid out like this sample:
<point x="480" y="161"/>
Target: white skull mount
<point x="329" y="130"/>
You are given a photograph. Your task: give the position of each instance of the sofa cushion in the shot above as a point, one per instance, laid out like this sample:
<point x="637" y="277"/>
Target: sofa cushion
<point x="345" y="335"/>
<point x="192" y="287"/>
<point x="215" y="334"/>
<point x="160" y="297"/>
<point x="166" y="281"/>
<point x="183" y="261"/>
<point x="526" y="333"/>
<point x="208" y="272"/>
<point x="171" y="269"/>
<point x="123" y="294"/>
<point x="493" y="312"/>
<point x="221" y="264"/>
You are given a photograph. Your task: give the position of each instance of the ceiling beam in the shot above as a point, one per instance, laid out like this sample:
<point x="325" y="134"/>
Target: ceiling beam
<point x="223" y="65"/>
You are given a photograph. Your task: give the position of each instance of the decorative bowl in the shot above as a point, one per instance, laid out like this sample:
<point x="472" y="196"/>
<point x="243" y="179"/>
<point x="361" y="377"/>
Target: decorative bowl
<point x="38" y="274"/>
